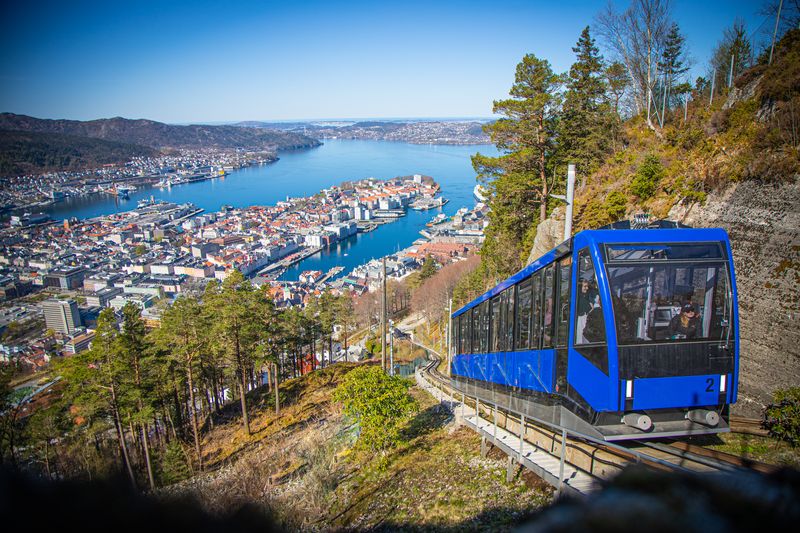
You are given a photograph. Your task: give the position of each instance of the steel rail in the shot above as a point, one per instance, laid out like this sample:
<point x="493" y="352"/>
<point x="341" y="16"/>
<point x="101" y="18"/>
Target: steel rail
<point x="589" y="445"/>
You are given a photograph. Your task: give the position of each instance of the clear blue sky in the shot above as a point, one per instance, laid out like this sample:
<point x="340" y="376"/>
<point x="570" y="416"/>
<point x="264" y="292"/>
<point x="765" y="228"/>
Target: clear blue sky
<point x="206" y="61"/>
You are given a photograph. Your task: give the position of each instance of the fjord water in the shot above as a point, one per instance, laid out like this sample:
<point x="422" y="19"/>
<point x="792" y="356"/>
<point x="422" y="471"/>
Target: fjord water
<point x="306" y="172"/>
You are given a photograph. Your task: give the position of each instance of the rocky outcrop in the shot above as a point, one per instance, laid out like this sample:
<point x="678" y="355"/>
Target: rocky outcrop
<point x="549" y="234"/>
<point x="763" y="222"/>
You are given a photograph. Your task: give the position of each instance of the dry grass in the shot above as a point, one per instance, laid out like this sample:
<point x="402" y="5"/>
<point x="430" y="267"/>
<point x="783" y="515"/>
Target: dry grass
<point x="301" y="468"/>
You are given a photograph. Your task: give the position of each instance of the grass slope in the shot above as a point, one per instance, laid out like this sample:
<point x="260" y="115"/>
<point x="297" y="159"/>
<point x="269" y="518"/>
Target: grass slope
<point x="301" y="467"/>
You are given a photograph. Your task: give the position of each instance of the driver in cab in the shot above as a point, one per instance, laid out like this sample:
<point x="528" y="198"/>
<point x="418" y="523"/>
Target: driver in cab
<point x="684" y="325"/>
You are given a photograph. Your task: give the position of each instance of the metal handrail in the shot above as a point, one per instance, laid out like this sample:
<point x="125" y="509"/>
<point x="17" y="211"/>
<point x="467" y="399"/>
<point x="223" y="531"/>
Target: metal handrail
<point x="569" y="432"/>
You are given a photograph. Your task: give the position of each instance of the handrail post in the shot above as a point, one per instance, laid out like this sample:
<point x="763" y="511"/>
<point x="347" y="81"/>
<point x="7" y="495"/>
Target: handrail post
<point x="521" y="436"/>
<point x="494" y="431"/>
<point x="563" y="457"/>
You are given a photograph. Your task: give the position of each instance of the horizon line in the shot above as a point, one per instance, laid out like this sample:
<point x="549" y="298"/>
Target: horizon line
<point x="282" y="121"/>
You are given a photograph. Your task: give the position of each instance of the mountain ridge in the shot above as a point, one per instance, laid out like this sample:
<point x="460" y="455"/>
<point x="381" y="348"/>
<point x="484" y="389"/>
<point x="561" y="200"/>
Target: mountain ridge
<point x="158" y="135"/>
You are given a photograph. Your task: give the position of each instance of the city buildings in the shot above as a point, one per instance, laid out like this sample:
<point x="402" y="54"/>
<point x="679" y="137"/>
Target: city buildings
<point x="62" y="316"/>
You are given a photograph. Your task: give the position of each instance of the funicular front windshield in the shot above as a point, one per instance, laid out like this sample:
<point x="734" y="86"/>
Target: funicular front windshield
<point x="669" y="293"/>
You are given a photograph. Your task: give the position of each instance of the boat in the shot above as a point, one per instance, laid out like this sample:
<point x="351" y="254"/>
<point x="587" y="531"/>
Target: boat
<point x="438" y="219"/>
<point x="122" y="191"/>
<point x="423" y="204"/>
<point x="480" y="193"/>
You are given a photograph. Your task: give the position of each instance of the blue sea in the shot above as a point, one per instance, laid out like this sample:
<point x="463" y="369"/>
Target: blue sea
<point x="306" y="172"/>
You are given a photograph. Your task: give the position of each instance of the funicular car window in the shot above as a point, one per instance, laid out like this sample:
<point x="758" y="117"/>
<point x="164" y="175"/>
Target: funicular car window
<point x="484" y="327"/>
<point x="562" y="311"/>
<point x="466" y="331"/>
<point x="523" y="315"/>
<point x="589" y="323"/>
<point x="497" y="322"/>
<point x="547" y="311"/>
<point x="663" y="252"/>
<point x="670" y="302"/>
<point x="509" y="318"/>
<point x="476" y="329"/>
<point x="536" y="310"/>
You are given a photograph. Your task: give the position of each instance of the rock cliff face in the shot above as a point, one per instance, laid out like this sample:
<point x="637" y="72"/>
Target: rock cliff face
<point x="549" y="234"/>
<point x="763" y="222"/>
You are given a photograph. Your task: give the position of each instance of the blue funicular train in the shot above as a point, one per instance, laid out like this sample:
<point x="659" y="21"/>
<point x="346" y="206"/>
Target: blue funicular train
<point x="617" y="333"/>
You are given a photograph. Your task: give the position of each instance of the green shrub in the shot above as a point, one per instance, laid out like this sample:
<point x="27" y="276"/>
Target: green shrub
<point x="172" y="466"/>
<point x="782" y="417"/>
<point x="645" y="182"/>
<point x="380" y="402"/>
<point x="615" y="205"/>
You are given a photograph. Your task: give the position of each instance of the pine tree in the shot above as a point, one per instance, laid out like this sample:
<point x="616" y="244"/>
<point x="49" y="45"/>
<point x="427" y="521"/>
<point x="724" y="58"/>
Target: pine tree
<point x="517" y="179"/>
<point x="234" y="331"/>
<point x="94" y="382"/>
<point x="180" y="337"/>
<point x="428" y="268"/>
<point x="673" y="62"/>
<point x="135" y="358"/>
<point x="734" y="44"/>
<point x="587" y="125"/>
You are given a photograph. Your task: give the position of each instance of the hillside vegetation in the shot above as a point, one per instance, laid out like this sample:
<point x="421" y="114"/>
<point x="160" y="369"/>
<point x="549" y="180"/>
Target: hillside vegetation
<point x="159" y="135"/>
<point x="31" y="152"/>
<point x="751" y="132"/>
<point x="303" y="467"/>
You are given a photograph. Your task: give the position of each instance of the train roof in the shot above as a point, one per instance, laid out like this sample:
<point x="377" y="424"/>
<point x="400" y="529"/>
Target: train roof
<point x="661" y="231"/>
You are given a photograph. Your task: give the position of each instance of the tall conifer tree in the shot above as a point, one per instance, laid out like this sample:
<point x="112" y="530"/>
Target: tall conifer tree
<point x="586" y="128"/>
<point x="517" y="179"/>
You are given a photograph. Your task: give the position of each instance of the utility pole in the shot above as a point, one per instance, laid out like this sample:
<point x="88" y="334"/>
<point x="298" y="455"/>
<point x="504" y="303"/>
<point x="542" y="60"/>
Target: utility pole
<point x="391" y="348"/>
<point x="449" y="336"/>
<point x="664" y="101"/>
<point x="775" y="31"/>
<point x="713" y="79"/>
<point x="685" y="107"/>
<point x="569" y="198"/>
<point x="730" y="72"/>
<point x="383" y="317"/>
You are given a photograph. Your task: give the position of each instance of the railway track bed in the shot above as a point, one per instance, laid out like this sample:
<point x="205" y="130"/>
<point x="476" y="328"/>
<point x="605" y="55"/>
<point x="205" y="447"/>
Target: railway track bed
<point x="574" y="463"/>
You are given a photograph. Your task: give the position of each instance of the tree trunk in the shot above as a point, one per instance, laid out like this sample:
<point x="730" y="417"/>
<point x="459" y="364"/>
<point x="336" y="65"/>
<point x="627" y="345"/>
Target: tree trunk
<point x="542" y="175"/>
<point x="243" y="390"/>
<point x="146" y="445"/>
<point x="47" y="458"/>
<point x="122" y="444"/>
<point x="277" y="392"/>
<point x="195" y="431"/>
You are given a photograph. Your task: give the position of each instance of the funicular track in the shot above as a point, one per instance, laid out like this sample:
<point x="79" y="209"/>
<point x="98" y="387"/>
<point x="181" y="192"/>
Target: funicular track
<point x="570" y="461"/>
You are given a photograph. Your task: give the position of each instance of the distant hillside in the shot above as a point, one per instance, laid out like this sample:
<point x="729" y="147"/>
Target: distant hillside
<point x="33" y="152"/>
<point x="159" y="135"/>
<point x="419" y="132"/>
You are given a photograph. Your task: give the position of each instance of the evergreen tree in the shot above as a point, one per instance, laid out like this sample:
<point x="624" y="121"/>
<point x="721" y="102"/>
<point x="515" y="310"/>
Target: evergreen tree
<point x="734" y="44"/>
<point x="136" y="358"/>
<point x="95" y="385"/>
<point x="587" y="126"/>
<point x="234" y="331"/>
<point x="428" y="268"/>
<point x="345" y="316"/>
<point x="673" y="64"/>
<point x="180" y="337"/>
<point x="517" y="179"/>
<point x="618" y="81"/>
